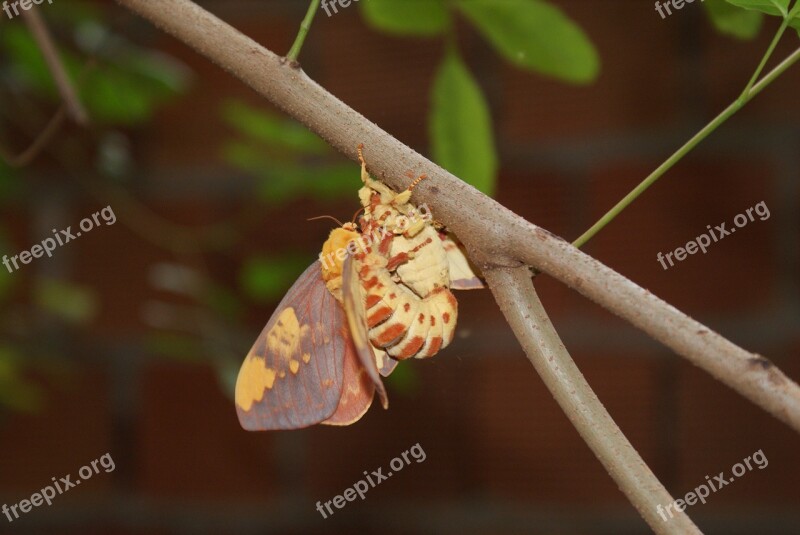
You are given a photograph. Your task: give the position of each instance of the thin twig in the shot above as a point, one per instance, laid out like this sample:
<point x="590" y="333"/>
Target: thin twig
<point x="687" y="147"/>
<point x="495" y="236"/>
<point x="38" y="144"/>
<point x="294" y="52"/>
<point x="41" y="34"/>
<point x="514" y="292"/>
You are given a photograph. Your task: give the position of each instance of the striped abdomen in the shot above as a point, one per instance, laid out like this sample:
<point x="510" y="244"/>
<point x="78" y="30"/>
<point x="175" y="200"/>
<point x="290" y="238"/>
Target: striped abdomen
<point x="399" y="321"/>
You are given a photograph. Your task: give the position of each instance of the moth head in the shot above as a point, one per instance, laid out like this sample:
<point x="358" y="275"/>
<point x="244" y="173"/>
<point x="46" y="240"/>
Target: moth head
<point x="334" y="251"/>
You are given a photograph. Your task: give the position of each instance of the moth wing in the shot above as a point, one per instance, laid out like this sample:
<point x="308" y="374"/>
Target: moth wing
<point x="357" y="320"/>
<point x="292" y="376"/>
<point x="357" y="389"/>
<point x="462" y="275"/>
<point x="385" y="362"/>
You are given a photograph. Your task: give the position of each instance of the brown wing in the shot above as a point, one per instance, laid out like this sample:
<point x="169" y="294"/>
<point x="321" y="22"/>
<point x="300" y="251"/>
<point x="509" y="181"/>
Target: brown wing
<point x="385" y="362"/>
<point x="292" y="377"/>
<point x="357" y="389"/>
<point x="353" y="301"/>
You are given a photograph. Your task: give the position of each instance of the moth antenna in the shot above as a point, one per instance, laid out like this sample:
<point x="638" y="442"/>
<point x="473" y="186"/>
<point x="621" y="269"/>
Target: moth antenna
<point x="417" y="181"/>
<point x="353" y="221"/>
<point x="360" y="149"/>
<point x="323" y="217"/>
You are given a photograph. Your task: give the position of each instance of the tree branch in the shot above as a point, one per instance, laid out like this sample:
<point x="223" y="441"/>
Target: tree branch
<point x="514" y="292"/>
<point x="42" y="36"/>
<point x="495" y="236"/>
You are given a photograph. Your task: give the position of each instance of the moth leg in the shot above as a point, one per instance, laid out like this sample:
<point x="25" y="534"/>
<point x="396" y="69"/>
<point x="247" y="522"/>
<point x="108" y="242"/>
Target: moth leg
<point x="397" y="260"/>
<point x="413" y="252"/>
<point x="415" y="228"/>
<point x="382" y="189"/>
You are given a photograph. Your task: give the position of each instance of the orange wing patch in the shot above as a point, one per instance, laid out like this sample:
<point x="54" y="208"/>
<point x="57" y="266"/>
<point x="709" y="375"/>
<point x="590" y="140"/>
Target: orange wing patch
<point x="255" y="378"/>
<point x="285" y="336"/>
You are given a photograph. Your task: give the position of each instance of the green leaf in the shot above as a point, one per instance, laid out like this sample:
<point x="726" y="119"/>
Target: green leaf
<point x="733" y="21"/>
<point x="266" y="128"/>
<point x="265" y="279"/>
<point x="795" y="22"/>
<point x="406" y="17"/>
<point x="461" y="126"/>
<point x="770" y="7"/>
<point x="535" y="35"/>
<point x="68" y="301"/>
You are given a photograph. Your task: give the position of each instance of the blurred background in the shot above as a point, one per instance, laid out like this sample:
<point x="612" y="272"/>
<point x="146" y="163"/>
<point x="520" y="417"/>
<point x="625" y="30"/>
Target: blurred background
<point x="128" y="340"/>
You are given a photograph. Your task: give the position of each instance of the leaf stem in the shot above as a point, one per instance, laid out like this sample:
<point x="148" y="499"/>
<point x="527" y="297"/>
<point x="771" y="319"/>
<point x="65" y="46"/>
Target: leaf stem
<point x="753" y="88"/>
<point x="744" y="96"/>
<point x="294" y="52"/>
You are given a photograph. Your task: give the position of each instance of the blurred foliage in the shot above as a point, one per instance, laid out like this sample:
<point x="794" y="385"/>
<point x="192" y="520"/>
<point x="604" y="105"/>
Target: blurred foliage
<point x="266" y="278"/>
<point x="288" y="160"/>
<point x="272" y="132"/>
<point x="122" y="85"/>
<point x="69" y="302"/>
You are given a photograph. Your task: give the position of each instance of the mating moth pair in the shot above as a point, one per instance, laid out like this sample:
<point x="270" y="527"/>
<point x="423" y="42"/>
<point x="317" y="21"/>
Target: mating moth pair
<point x="380" y="293"/>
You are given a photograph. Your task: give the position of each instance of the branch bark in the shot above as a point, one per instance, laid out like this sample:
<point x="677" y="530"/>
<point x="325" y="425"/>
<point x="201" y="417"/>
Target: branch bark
<point x="514" y="292"/>
<point x="495" y="236"/>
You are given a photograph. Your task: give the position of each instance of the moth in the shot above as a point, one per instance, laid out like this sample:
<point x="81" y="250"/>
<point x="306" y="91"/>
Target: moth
<point x="380" y="293"/>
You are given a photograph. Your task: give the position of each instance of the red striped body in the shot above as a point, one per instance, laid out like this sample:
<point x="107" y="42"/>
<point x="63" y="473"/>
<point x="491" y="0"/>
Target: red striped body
<point x="404" y="270"/>
<point x="399" y="321"/>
